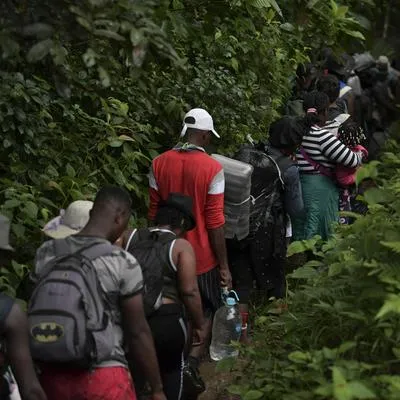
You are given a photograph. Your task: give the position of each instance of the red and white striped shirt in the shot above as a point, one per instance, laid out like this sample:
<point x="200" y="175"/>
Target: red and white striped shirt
<point x="190" y="171"/>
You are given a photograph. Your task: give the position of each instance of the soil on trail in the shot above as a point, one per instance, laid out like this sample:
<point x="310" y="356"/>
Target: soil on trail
<point x="216" y="382"/>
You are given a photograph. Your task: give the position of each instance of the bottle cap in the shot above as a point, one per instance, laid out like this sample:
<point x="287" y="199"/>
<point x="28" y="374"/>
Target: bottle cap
<point x="230" y="301"/>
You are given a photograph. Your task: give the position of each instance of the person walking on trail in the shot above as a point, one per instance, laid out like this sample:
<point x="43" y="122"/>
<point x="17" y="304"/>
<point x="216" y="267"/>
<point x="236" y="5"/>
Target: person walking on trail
<point x="14" y="330"/>
<point x="189" y="170"/>
<point x="318" y="156"/>
<point x="120" y="286"/>
<point x="330" y="85"/>
<point x="180" y="296"/>
<point x="260" y="258"/>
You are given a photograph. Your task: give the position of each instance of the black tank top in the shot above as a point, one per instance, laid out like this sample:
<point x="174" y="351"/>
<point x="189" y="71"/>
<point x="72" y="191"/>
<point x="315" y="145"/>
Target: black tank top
<point x="170" y="288"/>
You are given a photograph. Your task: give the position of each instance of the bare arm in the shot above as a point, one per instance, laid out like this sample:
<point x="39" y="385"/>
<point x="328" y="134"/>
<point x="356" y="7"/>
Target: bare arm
<point x="140" y="340"/>
<point x="185" y="260"/>
<point x="17" y="339"/>
<point x="215" y="220"/>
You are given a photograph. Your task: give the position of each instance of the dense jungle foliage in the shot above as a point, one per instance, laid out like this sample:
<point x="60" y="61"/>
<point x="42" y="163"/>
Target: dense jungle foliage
<point x="340" y="337"/>
<point x="92" y="90"/>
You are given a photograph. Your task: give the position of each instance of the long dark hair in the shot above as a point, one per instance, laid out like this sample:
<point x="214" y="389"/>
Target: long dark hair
<point x="315" y="104"/>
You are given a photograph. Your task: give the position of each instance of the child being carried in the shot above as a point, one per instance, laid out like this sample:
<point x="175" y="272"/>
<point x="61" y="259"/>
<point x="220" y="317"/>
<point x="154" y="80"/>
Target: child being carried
<point x="351" y="135"/>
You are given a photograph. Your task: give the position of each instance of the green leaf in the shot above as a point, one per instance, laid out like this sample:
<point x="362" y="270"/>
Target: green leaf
<point x="391" y="305"/>
<point x="253" y="395"/>
<point x="355" y="34"/>
<point x="394" y="246"/>
<point x="18" y="230"/>
<point x="377" y="196"/>
<point x="39" y="50"/>
<point x="396" y="352"/>
<point x="235" y="389"/>
<point x="104" y="77"/>
<point x="367" y="171"/>
<point x="38" y="29"/>
<point x="346" y="346"/>
<point x="288" y="27"/>
<point x="70" y="171"/>
<point x="299" y="357"/>
<point x="359" y="391"/>
<point x="126" y="138"/>
<point x="342" y="11"/>
<point x="11" y="203"/>
<point x="109" y="34"/>
<point x="31" y="210"/>
<point x="235" y="64"/>
<point x="116" y="143"/>
<point x="304" y="273"/>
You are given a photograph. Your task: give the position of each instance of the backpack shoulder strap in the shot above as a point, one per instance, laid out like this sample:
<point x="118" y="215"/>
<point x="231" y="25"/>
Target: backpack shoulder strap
<point x="277" y="169"/>
<point x="130" y="239"/>
<point x="97" y="250"/>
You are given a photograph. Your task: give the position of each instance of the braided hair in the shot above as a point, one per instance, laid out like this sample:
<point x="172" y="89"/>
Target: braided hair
<point x="351" y="134"/>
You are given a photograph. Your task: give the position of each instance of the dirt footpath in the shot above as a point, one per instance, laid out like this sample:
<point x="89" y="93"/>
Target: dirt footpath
<point x="216" y="382"/>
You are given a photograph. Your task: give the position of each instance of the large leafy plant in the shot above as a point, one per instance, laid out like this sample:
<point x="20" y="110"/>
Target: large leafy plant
<point x="340" y="338"/>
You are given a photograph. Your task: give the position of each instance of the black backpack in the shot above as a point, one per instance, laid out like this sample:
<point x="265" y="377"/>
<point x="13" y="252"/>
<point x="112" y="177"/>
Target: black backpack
<point x="151" y="249"/>
<point x="266" y="183"/>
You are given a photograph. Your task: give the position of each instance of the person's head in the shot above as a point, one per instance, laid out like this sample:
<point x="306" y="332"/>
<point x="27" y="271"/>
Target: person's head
<point x="198" y="126"/>
<point x="5" y="248"/>
<point x="287" y="133"/>
<point x="350" y="134"/>
<point x="338" y="65"/>
<point x="110" y="214"/>
<point x="70" y="221"/>
<point x="176" y="214"/>
<point x="305" y="76"/>
<point x="383" y="64"/>
<point x="330" y="85"/>
<point x="316" y="105"/>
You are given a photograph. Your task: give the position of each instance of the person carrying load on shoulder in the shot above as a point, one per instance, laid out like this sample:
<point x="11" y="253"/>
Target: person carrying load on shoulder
<point x="171" y="291"/>
<point x="87" y="303"/>
<point x="189" y="170"/>
<point x="259" y="257"/>
<point x="14" y="333"/>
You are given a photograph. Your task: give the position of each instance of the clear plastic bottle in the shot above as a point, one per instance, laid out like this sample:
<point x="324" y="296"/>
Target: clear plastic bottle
<point x="227" y="327"/>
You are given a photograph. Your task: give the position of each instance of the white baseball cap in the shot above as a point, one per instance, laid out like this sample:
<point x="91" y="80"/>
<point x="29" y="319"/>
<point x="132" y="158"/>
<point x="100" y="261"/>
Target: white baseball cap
<point x="198" y="118"/>
<point x="70" y="221"/>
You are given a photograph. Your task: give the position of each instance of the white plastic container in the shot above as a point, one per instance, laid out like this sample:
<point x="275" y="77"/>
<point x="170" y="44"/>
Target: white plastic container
<point x="237" y="196"/>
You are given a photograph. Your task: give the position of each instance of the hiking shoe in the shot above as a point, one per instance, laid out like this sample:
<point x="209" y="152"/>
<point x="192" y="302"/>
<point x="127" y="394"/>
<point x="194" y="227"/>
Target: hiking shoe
<point x="193" y="384"/>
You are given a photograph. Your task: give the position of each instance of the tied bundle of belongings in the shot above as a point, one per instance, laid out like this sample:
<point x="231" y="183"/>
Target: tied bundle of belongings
<point x="253" y="182"/>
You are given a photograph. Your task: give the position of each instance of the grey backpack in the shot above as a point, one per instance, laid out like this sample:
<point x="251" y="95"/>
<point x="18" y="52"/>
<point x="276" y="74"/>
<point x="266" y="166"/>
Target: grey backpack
<point x="69" y="322"/>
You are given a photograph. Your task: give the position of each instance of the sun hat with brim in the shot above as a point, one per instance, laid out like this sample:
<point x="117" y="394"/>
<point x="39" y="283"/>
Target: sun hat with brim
<point x="70" y="221"/>
<point x="200" y="119"/>
<point x="182" y="203"/>
<point x="5" y="233"/>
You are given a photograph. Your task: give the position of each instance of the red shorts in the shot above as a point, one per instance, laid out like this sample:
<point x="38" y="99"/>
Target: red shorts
<point x="110" y="383"/>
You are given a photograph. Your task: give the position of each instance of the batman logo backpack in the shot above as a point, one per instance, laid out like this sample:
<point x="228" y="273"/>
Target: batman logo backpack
<point x="68" y="317"/>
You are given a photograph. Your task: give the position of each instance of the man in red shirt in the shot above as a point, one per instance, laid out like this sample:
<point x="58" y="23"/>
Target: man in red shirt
<point x="189" y="170"/>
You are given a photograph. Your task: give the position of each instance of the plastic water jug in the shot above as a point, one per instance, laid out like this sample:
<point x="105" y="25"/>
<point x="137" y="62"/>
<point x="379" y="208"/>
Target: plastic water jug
<point x="237" y="196"/>
<point x="227" y="327"/>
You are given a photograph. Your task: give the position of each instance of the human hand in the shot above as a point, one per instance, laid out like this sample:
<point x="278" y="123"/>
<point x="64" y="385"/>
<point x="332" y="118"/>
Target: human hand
<point x="226" y="277"/>
<point x="199" y="336"/>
